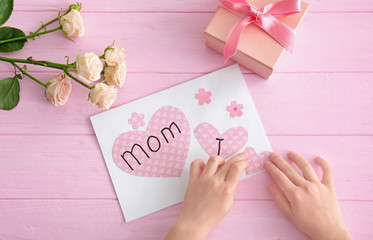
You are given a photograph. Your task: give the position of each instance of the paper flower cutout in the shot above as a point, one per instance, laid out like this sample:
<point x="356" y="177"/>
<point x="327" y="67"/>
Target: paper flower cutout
<point x="235" y="109"/>
<point x="203" y="97"/>
<point x="137" y="120"/>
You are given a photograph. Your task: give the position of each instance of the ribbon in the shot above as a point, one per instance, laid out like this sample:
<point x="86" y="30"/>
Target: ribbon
<point x="265" y="18"/>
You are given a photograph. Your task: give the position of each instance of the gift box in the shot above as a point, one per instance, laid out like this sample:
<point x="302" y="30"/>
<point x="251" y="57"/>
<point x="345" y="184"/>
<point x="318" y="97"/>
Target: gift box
<point x="257" y="49"/>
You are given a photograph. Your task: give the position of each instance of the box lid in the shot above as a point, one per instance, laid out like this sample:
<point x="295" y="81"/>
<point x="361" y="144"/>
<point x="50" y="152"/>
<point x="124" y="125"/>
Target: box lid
<point x="254" y="41"/>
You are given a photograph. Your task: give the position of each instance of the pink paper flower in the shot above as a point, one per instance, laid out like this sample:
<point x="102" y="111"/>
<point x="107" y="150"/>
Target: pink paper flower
<point x="137" y="120"/>
<point x="235" y="109"/>
<point x="203" y="97"/>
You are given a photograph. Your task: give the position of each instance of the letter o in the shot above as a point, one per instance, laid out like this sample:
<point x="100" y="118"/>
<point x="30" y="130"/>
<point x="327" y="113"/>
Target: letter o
<point x="159" y="144"/>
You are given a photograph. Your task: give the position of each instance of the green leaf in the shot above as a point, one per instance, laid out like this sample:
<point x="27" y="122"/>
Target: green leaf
<point x="5" y="10"/>
<point x="9" y="33"/>
<point x="9" y="93"/>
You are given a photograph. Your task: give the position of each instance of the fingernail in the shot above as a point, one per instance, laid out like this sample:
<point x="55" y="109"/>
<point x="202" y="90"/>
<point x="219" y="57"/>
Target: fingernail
<point x="244" y="154"/>
<point x="292" y="153"/>
<point x="273" y="155"/>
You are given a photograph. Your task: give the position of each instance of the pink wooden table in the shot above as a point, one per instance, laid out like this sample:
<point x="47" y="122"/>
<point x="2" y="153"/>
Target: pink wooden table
<point x="53" y="180"/>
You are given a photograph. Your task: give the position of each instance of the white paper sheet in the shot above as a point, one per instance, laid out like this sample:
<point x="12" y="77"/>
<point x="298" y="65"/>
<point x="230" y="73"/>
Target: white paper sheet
<point x="139" y="196"/>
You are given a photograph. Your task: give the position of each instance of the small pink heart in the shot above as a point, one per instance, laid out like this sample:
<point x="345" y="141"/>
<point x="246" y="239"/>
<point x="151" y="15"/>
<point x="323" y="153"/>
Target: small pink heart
<point x="216" y="144"/>
<point x="160" y="151"/>
<point x="256" y="162"/>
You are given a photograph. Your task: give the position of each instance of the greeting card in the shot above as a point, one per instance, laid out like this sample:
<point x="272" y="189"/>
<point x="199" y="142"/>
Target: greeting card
<point x="148" y="144"/>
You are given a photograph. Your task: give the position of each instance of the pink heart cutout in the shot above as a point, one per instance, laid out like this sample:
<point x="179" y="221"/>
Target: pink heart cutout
<point x="160" y="151"/>
<point x="216" y="144"/>
<point x="256" y="162"/>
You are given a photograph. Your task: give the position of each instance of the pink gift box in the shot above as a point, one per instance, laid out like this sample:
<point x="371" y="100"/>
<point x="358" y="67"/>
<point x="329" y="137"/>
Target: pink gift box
<point x="256" y="50"/>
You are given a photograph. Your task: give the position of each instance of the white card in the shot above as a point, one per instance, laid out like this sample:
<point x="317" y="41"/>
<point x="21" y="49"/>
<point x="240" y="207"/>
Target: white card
<point x="149" y="166"/>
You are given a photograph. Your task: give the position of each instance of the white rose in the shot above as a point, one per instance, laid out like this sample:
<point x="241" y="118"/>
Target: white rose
<point x="58" y="90"/>
<point x="72" y="24"/>
<point x="114" y="55"/>
<point x="89" y="67"/>
<point x="116" y="75"/>
<point x="103" y="95"/>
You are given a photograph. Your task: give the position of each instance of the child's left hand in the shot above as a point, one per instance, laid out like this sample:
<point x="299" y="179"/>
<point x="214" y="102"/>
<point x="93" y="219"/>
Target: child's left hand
<point x="209" y="196"/>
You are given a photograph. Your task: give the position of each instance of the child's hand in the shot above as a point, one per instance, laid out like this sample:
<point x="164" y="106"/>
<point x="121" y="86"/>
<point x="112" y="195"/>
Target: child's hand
<point x="310" y="204"/>
<point x="209" y="196"/>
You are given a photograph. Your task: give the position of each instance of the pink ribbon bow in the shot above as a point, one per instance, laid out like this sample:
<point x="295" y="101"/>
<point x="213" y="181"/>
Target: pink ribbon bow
<point x="264" y="18"/>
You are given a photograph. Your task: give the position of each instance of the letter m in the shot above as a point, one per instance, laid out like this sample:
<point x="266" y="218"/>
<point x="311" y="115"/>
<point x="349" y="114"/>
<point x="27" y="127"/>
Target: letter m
<point x="131" y="153"/>
<point x="170" y="130"/>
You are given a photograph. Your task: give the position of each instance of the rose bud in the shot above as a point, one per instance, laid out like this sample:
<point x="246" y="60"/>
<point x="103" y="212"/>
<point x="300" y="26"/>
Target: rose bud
<point x="58" y="90"/>
<point x="116" y="75"/>
<point x="103" y="95"/>
<point x="89" y="67"/>
<point x="72" y="24"/>
<point x="114" y="55"/>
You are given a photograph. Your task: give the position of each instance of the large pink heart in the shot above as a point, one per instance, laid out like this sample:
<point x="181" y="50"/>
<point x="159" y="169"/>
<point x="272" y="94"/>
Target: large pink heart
<point x="216" y="144"/>
<point x="256" y="162"/>
<point x="160" y="151"/>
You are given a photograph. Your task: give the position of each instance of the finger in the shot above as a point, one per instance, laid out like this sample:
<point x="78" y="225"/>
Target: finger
<point x="196" y="168"/>
<point x="306" y="168"/>
<point x="327" y="174"/>
<point x="235" y="172"/>
<point x="280" y="178"/>
<point x="212" y="165"/>
<point x="281" y="200"/>
<point x="225" y="169"/>
<point x="288" y="170"/>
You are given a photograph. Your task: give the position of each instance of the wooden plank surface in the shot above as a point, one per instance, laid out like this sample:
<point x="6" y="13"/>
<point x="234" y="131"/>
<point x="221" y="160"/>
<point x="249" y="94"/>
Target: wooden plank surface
<point x="323" y="105"/>
<point x="53" y="179"/>
<point x="102" y="219"/>
<point x="154" y="45"/>
<point x="70" y="167"/>
<point x="179" y="6"/>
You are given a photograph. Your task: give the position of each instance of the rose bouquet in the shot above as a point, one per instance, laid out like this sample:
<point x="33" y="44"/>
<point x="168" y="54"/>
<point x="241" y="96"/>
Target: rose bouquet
<point x="88" y="68"/>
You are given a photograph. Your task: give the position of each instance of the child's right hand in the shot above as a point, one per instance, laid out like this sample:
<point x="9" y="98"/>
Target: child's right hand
<point x="310" y="204"/>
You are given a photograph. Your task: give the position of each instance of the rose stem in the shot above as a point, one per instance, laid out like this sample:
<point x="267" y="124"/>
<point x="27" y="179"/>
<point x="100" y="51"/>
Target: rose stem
<point x="28" y="75"/>
<point x="77" y="80"/>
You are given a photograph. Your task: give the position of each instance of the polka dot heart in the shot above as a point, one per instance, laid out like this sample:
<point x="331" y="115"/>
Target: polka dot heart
<point x="160" y="151"/>
<point x="256" y="162"/>
<point x="225" y="144"/>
